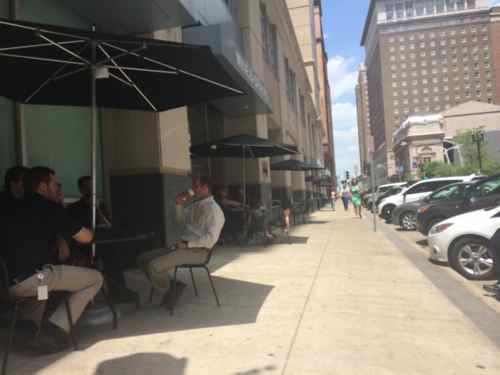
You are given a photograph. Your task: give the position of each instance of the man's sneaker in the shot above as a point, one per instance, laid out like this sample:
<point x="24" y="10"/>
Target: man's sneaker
<point x="492" y="288"/>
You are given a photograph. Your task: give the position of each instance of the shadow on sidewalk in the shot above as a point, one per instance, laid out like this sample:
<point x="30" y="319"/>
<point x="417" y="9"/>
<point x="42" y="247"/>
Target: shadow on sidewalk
<point x="143" y="363"/>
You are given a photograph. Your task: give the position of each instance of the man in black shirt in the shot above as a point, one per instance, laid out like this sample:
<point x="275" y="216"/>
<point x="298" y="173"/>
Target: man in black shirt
<point x="38" y="231"/>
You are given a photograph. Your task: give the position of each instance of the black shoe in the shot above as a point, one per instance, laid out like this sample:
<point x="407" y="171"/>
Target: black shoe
<point x="56" y="333"/>
<point x="492" y="288"/>
<point x="170" y="298"/>
<point x="124" y="296"/>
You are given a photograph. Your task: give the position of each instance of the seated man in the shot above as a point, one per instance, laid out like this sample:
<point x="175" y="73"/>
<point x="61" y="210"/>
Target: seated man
<point x="114" y="258"/>
<point x="82" y="209"/>
<point x="37" y="227"/>
<point x="204" y="222"/>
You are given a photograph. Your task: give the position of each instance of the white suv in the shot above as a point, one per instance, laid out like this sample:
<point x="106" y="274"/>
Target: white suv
<point x="416" y="192"/>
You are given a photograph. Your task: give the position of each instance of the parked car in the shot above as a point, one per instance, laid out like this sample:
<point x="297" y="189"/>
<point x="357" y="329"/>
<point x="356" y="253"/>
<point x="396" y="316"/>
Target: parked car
<point x="381" y="190"/>
<point x="462" y="241"/>
<point x="456" y="200"/>
<point x="406" y="214"/>
<point x="416" y="192"/>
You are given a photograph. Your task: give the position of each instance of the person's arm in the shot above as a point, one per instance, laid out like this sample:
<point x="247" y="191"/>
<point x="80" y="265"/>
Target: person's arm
<point x="213" y="225"/>
<point x="84" y="236"/>
<point x="68" y="227"/>
<point x="62" y="249"/>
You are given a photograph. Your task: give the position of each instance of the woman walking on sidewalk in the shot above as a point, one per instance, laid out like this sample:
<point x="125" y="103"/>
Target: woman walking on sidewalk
<point x="356" y="198"/>
<point x="345" y="194"/>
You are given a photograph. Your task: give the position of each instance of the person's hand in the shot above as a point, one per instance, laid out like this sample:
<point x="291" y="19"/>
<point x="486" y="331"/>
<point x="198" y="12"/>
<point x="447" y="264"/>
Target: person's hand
<point x="182" y="198"/>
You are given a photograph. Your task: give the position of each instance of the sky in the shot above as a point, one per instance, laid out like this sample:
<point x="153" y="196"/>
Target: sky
<point x="343" y="23"/>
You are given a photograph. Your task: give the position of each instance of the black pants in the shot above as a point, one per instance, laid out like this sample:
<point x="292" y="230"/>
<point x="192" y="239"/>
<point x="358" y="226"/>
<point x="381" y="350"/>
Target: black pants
<point x="494" y="245"/>
<point x="345" y="200"/>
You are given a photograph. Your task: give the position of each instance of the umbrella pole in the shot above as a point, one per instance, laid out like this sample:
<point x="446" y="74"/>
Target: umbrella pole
<point x="93" y="140"/>
<point x="245" y="218"/>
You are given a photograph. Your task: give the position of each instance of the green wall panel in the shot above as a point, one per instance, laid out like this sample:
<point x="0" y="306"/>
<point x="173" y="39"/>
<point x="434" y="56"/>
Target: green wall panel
<point x="59" y="137"/>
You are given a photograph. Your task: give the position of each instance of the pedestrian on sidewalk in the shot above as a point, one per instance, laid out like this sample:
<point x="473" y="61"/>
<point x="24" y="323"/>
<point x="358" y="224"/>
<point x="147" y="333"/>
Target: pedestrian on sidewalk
<point x="345" y="194"/>
<point x="494" y="246"/>
<point x="333" y="199"/>
<point x="356" y="197"/>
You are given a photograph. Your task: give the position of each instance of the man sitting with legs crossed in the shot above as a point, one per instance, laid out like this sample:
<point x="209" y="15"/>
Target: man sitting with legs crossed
<point x="203" y="225"/>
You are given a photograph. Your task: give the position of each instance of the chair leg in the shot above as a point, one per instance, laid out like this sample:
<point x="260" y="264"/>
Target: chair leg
<point x="70" y="322"/>
<point x="212" y="285"/>
<point x="12" y="330"/>
<point x="111" y="307"/>
<point x="174" y="290"/>
<point x="151" y="294"/>
<point x="194" y="282"/>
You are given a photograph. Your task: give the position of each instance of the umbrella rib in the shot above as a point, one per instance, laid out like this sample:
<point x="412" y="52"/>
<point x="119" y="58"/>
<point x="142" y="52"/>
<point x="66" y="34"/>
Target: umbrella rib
<point x="197" y="76"/>
<point x="70" y="73"/>
<point x="39" y="45"/>
<point x="134" y="69"/>
<point x="54" y="76"/>
<point x="55" y="44"/>
<point x="125" y="82"/>
<point x="121" y="69"/>
<point x="45" y="59"/>
<point x="142" y="48"/>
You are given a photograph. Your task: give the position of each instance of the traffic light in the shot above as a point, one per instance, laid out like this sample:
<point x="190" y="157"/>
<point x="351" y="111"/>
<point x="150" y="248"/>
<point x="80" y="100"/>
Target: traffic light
<point x="347" y="175"/>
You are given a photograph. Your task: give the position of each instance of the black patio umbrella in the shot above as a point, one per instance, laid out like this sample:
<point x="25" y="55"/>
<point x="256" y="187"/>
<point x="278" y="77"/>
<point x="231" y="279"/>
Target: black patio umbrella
<point x="43" y="64"/>
<point x="243" y="147"/>
<point x="289" y="165"/>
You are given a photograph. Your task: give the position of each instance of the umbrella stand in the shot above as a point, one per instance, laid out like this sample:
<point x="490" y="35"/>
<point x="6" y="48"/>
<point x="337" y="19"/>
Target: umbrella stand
<point x="93" y="141"/>
<point x="245" y="219"/>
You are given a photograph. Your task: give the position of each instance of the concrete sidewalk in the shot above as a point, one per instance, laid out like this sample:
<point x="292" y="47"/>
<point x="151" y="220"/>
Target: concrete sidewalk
<point x="339" y="300"/>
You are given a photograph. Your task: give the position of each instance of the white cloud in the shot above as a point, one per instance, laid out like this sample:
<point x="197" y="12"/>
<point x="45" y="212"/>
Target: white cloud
<point x="344" y="115"/>
<point x="343" y="75"/>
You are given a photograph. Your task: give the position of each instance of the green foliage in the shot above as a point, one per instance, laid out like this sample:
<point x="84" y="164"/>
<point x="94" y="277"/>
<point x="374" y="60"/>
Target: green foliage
<point x="471" y="161"/>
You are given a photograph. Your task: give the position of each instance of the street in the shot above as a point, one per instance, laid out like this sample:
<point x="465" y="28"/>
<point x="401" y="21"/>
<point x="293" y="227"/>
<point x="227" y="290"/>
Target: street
<point x="339" y="300"/>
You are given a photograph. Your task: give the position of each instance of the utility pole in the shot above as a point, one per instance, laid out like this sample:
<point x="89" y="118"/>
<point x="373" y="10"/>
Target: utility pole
<point x="478" y="139"/>
<point x="374" y="191"/>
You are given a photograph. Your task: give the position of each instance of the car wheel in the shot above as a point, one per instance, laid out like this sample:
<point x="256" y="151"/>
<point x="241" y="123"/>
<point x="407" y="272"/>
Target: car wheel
<point x="387" y="212"/>
<point x="408" y="220"/>
<point x="471" y="257"/>
<point x="432" y="223"/>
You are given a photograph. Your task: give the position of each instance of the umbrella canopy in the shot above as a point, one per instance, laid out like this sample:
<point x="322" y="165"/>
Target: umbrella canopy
<point x="42" y="64"/>
<point x="313" y="166"/>
<point x="242" y="146"/>
<point x="289" y="165"/>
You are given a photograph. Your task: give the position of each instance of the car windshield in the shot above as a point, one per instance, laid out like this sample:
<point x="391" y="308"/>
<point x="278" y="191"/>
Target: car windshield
<point x="486" y="188"/>
<point x="384" y="189"/>
<point x="448" y="193"/>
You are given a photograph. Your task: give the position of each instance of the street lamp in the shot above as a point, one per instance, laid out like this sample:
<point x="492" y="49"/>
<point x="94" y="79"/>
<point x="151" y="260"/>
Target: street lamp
<point x="478" y="139"/>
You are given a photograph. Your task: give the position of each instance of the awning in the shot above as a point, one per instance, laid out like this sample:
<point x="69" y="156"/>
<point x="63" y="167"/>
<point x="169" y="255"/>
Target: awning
<point x="132" y="17"/>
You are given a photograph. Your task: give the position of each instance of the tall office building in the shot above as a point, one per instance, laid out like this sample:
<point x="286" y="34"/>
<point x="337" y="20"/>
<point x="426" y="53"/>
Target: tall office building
<point x="363" y="115"/>
<point x="325" y="102"/>
<point x="424" y="56"/>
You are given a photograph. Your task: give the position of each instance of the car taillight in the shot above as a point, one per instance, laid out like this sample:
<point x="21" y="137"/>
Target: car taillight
<point x="423" y="210"/>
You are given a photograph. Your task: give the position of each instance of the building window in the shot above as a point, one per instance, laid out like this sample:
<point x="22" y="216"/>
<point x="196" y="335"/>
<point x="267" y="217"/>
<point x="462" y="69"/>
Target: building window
<point x="389" y="12"/>
<point x="291" y="85"/>
<point x="409" y="9"/>
<point x="419" y="8"/>
<point x="274" y="49"/>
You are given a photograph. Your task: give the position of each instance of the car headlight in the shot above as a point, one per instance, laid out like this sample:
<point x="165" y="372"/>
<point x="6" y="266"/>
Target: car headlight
<point x="440" y="228"/>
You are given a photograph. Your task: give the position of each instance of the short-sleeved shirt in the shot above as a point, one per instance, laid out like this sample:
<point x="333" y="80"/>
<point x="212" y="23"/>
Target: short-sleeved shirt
<point x="32" y="231"/>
